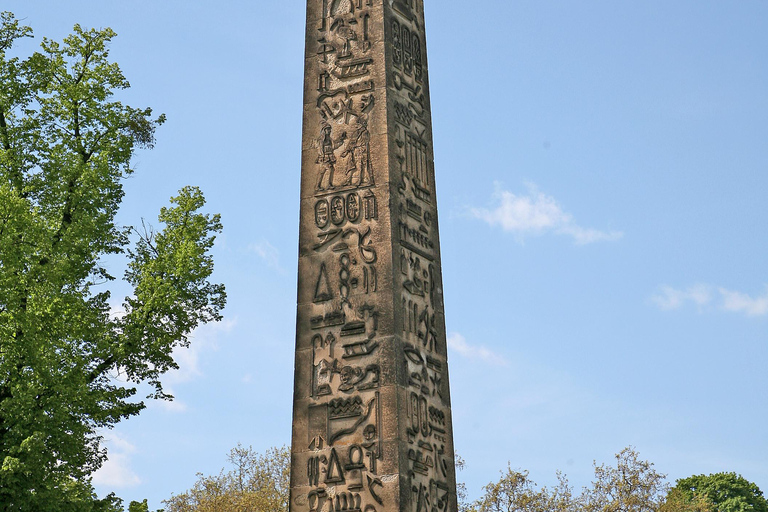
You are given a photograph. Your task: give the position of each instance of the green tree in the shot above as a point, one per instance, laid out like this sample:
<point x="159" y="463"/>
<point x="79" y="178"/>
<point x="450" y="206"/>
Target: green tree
<point x="728" y="492"/>
<point x="256" y="483"/>
<point x="66" y="146"/>
<point x="631" y="485"/>
<point x="139" y="506"/>
<point x="678" y="501"/>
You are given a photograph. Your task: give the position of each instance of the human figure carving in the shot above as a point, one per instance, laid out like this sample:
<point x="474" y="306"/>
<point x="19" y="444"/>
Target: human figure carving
<point x="359" y="170"/>
<point x="347" y="34"/>
<point x="327" y="158"/>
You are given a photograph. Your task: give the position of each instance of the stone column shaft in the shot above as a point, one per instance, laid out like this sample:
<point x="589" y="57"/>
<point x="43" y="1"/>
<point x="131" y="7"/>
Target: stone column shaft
<point x="372" y="427"/>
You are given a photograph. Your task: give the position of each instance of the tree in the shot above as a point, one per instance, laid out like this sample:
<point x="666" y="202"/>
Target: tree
<point x="516" y="492"/>
<point x="461" y="487"/>
<point x="727" y="492"/>
<point x="256" y="483"/>
<point x="139" y="506"/>
<point x="513" y="492"/>
<point x="66" y="145"/>
<point x="678" y="501"/>
<point x="633" y="485"/>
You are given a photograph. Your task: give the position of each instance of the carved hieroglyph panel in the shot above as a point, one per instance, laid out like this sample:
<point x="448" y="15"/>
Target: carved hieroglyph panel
<point x="372" y="424"/>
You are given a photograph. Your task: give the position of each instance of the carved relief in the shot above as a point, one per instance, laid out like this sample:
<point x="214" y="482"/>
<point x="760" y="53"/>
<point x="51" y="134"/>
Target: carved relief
<point x="338" y="210"/>
<point x="345" y="95"/>
<point x="419" y="277"/>
<point x="344" y="152"/>
<point x="345" y="446"/>
<point x="426" y="430"/>
<point x="331" y="378"/>
<point x="413" y="92"/>
<point x="369" y="206"/>
<point x="327" y="158"/>
<point x="405" y="8"/>
<point x="415" y="160"/>
<point x="359" y="170"/>
<point x="433" y="497"/>
<point x="323" y="288"/>
<point x="424" y="372"/>
<point x="339" y="238"/>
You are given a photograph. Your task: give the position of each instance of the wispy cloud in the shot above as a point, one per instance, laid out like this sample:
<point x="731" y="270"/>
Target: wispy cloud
<point x="536" y="214"/>
<point x="669" y="298"/>
<point x="267" y="252"/>
<point x="116" y="471"/>
<point x="203" y="339"/>
<point x="742" y="303"/>
<point x="458" y="344"/>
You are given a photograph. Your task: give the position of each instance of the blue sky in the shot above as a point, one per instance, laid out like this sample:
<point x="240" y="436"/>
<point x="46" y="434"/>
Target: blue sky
<point x="602" y="172"/>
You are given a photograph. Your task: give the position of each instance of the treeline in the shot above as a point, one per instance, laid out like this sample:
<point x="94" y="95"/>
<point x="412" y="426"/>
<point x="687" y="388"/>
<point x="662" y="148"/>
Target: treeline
<point x="629" y="485"/>
<point x="260" y="483"/>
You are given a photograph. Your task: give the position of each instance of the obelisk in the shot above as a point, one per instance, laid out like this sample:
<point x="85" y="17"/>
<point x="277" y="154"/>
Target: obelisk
<point x="372" y="425"/>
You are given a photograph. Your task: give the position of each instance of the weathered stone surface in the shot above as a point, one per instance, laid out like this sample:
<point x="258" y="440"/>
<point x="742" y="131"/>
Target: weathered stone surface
<point x="372" y="421"/>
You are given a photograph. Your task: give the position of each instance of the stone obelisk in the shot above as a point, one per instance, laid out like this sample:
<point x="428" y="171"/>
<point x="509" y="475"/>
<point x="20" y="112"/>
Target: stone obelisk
<point x="371" y="419"/>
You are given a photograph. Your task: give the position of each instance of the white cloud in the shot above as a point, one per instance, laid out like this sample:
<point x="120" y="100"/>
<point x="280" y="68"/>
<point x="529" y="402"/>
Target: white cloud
<point x="537" y="214"/>
<point x="742" y="303"/>
<point x="669" y="298"/>
<point x="458" y="344"/>
<point x="268" y="252"/>
<point x="203" y="339"/>
<point x="116" y="471"/>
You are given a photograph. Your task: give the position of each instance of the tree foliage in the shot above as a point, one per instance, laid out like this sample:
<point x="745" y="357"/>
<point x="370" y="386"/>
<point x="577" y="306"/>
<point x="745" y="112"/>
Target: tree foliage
<point x="259" y="483"/>
<point x="140" y="506"/>
<point x="256" y="483"/>
<point x="516" y="492"/>
<point x="726" y="492"/>
<point x="678" y="501"/>
<point x="65" y="148"/>
<point x="633" y="485"/>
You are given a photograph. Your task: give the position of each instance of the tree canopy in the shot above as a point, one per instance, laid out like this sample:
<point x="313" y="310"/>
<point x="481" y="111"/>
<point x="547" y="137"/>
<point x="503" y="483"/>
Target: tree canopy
<point x="70" y="366"/>
<point x="631" y="485"/>
<point x="260" y="483"/>
<point x="727" y="492"/>
<point x="257" y="482"/>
